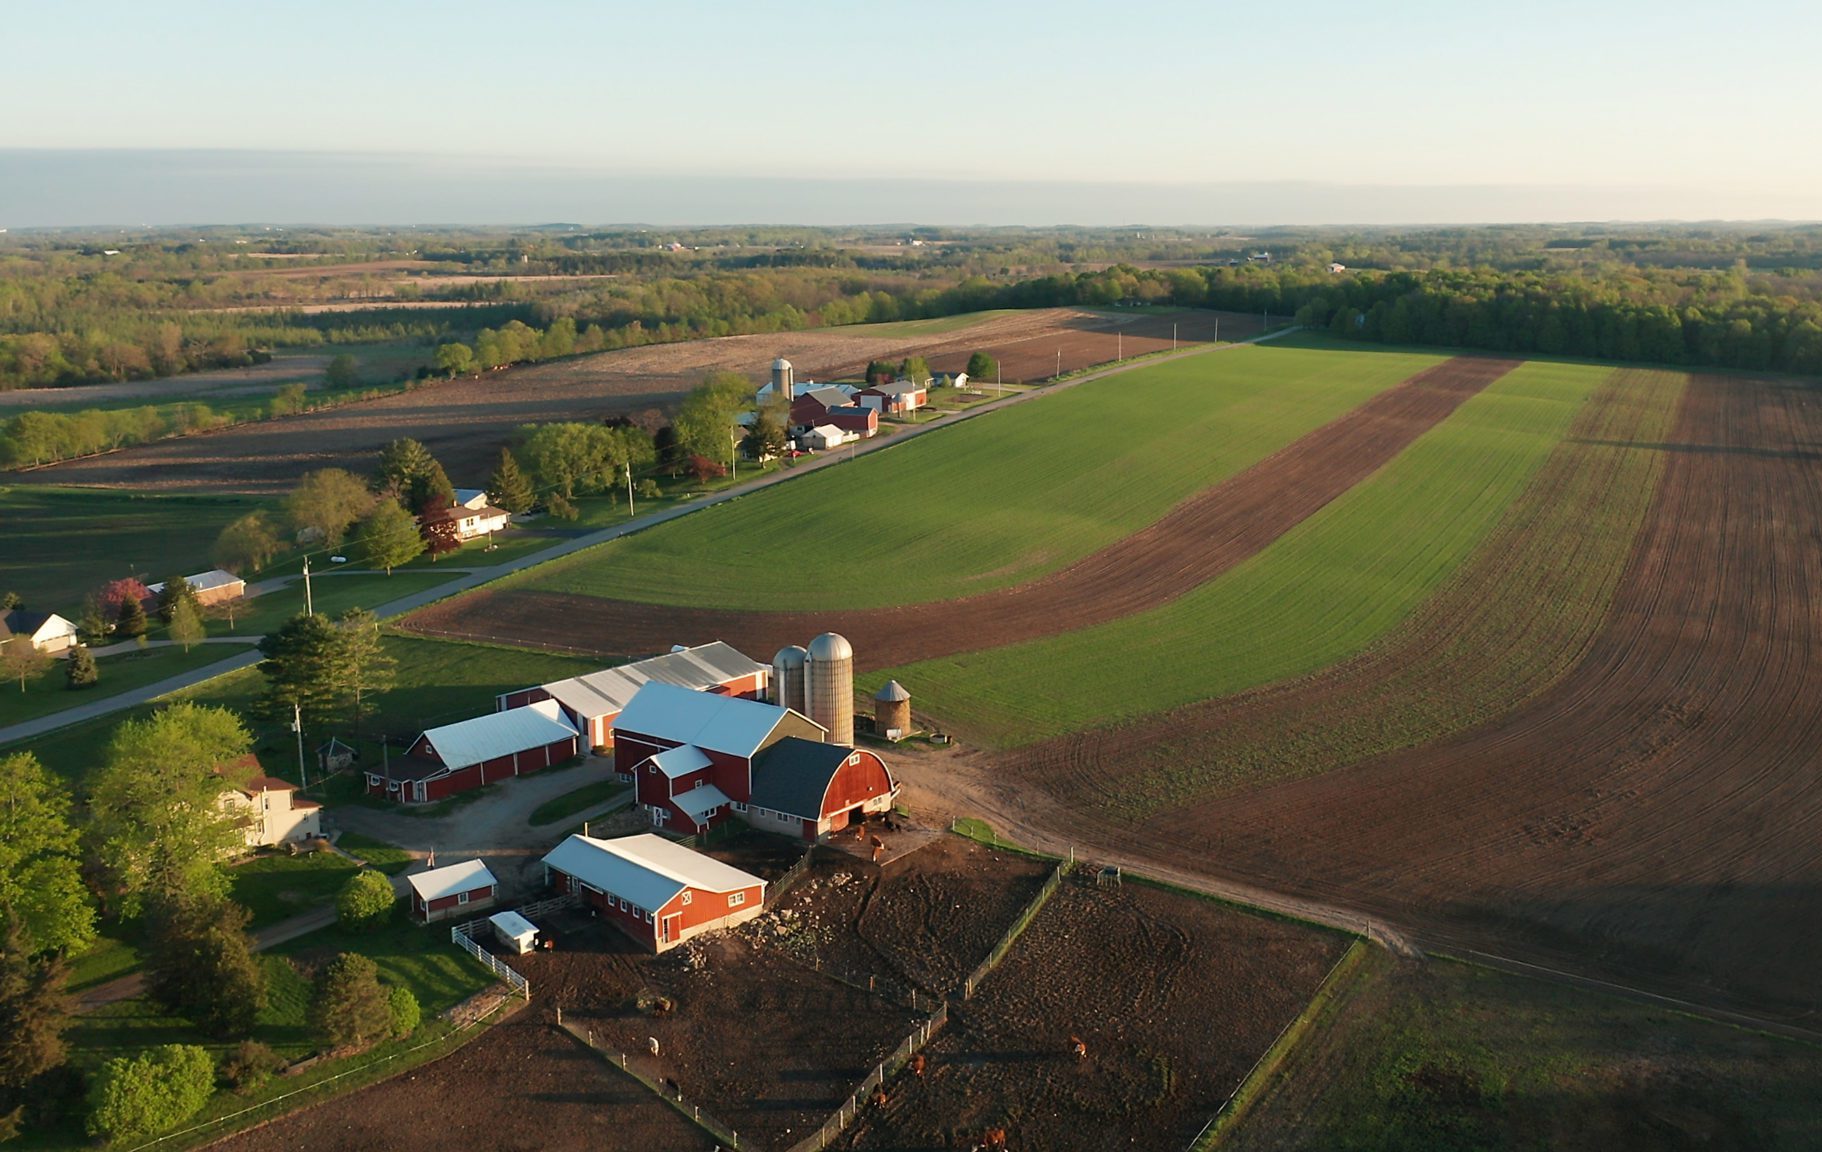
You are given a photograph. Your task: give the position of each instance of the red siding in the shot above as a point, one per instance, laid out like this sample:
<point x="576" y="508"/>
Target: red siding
<point x="703" y="908"/>
<point x="520" y="698"/>
<point x="856" y="783"/>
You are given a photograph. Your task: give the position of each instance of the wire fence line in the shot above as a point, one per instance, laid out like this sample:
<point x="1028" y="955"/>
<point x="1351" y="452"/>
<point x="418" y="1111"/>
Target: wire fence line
<point x="849" y="1110"/>
<point x="646" y="1071"/>
<point x="1017" y="929"/>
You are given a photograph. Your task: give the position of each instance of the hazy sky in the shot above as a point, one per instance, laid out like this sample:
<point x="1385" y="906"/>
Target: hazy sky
<point x="1605" y="109"/>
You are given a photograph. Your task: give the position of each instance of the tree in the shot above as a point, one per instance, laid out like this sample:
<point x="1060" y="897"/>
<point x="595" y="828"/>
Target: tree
<point x="362" y="664"/>
<point x="350" y="1005"/>
<point x="176" y="591"/>
<point x="915" y="369"/>
<point x="131" y="620"/>
<point x="93" y="622"/>
<point x="366" y="901"/>
<point x="20" y="660"/>
<point x="115" y="593"/>
<point x="982" y="367"/>
<point x="158" y="1089"/>
<point x="35" y="1011"/>
<point x="411" y="475"/>
<point x="326" y="502"/>
<point x="705" y="469"/>
<point x="388" y="537"/>
<point x="405" y="1011"/>
<point x="10" y="601"/>
<point x="289" y="400"/>
<point x="186" y="627"/>
<point x="200" y="964"/>
<point x="705" y="419"/>
<point x="767" y="436"/>
<point x="247" y="544"/>
<point x="159" y="833"/>
<point x="455" y="360"/>
<point x="340" y="372"/>
<point x="880" y="371"/>
<point x="40" y="865"/>
<point x="250" y="1065"/>
<point x="437" y="525"/>
<point x="509" y="487"/>
<point x="303" y="669"/>
<point x="80" y="670"/>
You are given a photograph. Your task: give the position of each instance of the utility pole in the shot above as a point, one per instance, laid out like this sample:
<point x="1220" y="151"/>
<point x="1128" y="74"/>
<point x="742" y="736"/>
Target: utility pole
<point x="1217" y="329"/>
<point x="1119" y="346"/>
<point x="297" y="726"/>
<point x="734" y="454"/>
<point x="1059" y="370"/>
<point x="1173" y="335"/>
<point x="629" y="489"/>
<point x="309" y="604"/>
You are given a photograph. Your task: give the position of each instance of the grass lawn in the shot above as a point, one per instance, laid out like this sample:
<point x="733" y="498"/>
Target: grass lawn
<point x="991" y="502"/>
<point x="1449" y="1056"/>
<point x="1327" y="589"/>
<point x="277" y="887"/>
<point x="570" y="803"/>
<point x="120" y="673"/>
<point x="331" y="595"/>
<point x="388" y="858"/>
<point x="62" y="543"/>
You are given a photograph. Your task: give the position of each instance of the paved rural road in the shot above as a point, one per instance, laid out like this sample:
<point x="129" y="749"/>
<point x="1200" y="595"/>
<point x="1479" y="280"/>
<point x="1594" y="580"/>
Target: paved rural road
<point x="474" y="577"/>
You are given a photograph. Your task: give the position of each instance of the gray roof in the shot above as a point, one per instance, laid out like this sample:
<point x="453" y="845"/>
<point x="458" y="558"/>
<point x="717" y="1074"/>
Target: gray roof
<point x="793" y="776"/>
<point x="499" y="734"/>
<point x="893" y="692"/>
<point x="896" y="388"/>
<point x="610" y="690"/>
<point x="716" y="723"/>
<point x="828" y="397"/>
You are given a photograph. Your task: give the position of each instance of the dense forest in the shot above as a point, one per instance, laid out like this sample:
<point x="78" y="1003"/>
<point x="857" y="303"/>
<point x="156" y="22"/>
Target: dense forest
<point x="78" y="308"/>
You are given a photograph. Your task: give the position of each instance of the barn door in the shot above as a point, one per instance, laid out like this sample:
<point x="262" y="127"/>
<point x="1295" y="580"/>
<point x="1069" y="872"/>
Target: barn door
<point x="667" y="928"/>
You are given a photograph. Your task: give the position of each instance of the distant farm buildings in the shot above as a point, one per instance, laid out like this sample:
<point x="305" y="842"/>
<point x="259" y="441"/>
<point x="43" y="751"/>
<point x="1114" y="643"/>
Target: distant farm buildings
<point x="212" y="587"/>
<point x="591" y="703"/>
<point x="897" y="397"/>
<point x="656" y="891"/>
<point x="474" y="753"/>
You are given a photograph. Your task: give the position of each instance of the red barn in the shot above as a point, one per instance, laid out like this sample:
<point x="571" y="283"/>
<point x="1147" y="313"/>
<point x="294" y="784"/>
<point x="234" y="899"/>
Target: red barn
<point x="658" y="892"/>
<point x="897" y="396"/>
<point x="863" y="422"/>
<point x="698" y="760"/>
<point x="478" y="752"/>
<point x="455" y="890"/>
<point x="593" y="702"/>
<point x="812" y="407"/>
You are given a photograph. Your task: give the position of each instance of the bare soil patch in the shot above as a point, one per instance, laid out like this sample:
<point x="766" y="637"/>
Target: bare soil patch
<point x="1174" y="997"/>
<point x="464" y="422"/>
<point x="1195" y="542"/>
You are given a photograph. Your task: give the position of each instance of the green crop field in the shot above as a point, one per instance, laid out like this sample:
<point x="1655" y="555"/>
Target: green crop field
<point x="1327" y="589"/>
<point x="61" y="543"/>
<point x="1516" y="617"/>
<point x="1447" y="1056"/>
<point x="991" y="502"/>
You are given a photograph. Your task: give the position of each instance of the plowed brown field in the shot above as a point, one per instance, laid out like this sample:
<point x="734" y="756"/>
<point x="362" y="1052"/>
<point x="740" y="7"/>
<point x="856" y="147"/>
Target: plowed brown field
<point x="1657" y="813"/>
<point x="464" y="422"/>
<point x="1196" y="541"/>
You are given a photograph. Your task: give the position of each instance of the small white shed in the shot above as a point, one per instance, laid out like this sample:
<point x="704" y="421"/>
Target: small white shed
<point x="515" y="931"/>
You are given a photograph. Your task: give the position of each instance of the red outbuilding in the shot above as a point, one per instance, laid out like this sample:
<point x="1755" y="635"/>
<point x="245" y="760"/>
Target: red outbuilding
<point x="454" y="890"/>
<point x="477" y="752"/>
<point x="656" y="891"/>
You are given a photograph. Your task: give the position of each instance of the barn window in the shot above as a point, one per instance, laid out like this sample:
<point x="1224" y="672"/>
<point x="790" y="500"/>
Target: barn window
<point x="736" y="899"/>
<point x="461" y="898"/>
<point x="623" y="904"/>
<point x="854" y="759"/>
<point x="739" y="807"/>
<point x="686" y="895"/>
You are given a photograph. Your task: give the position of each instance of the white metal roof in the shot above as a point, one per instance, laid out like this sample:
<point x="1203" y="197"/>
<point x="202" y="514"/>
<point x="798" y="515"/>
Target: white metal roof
<point x="451" y="879"/>
<point x="646" y="870"/>
<point x="513" y="925"/>
<point x="699" y="801"/>
<point x="717" y="723"/>
<point x="499" y="734"/>
<point x="681" y="761"/>
<point x="606" y="692"/>
<point x="202" y="581"/>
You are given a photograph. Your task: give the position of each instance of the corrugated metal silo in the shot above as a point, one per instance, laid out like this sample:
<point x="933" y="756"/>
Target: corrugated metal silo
<point x="783" y="377"/>
<point x="787" y="677"/>
<point x="829" y="686"/>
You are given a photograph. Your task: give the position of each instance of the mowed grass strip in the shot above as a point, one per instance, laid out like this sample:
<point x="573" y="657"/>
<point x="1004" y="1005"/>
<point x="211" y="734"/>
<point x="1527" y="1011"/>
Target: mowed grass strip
<point x="1517" y="617"/>
<point x="1327" y="589"/>
<point x="992" y="502"/>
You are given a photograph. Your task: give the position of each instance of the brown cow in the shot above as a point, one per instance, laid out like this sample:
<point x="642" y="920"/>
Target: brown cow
<point x="1080" y="1049"/>
<point x="994" y="1140"/>
<point x="917" y="1064"/>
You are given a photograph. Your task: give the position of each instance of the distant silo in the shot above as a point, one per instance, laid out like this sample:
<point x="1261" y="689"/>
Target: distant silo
<point x="829" y="686"/>
<point x="784" y="377"/>
<point x="787" y="677"/>
<point x="892" y="711"/>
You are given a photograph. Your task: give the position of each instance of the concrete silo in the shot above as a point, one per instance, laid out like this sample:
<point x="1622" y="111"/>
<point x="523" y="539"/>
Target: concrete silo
<point x="829" y="686"/>
<point x="784" y="378"/>
<point x="892" y="711"/>
<point x="787" y="677"/>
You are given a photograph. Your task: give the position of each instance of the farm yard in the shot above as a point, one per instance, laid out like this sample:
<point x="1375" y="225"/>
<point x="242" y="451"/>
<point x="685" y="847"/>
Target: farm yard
<point x="1173" y="996"/>
<point x="464" y="422"/>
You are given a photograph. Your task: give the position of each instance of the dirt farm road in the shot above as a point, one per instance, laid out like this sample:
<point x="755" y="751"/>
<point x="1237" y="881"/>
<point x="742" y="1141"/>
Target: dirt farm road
<point x="478" y="576"/>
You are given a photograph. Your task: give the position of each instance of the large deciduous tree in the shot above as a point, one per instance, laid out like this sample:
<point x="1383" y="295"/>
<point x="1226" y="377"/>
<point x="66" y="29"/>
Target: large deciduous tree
<point x="326" y="502"/>
<point x="21" y="661"/>
<point x="159" y="832"/>
<point x="363" y="667"/>
<point x="40" y="867"/>
<point x="134" y="1096"/>
<point x="388" y="537"/>
<point x="247" y="544"/>
<point x="704" y="423"/>
<point x="981" y="367"/>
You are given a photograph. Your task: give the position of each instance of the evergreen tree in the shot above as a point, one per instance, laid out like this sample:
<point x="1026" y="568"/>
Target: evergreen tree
<point x="176" y="591"/>
<point x="363" y="666"/>
<point x="388" y="537"/>
<point x="509" y="487"/>
<point x="200" y="964"/>
<point x="350" y="1006"/>
<point x="35" y="1011"/>
<point x="131" y="622"/>
<point x="40" y="866"/>
<point x="302" y="669"/>
<point x="80" y="670"/>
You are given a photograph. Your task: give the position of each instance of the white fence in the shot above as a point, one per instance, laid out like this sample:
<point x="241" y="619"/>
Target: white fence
<point x="463" y="936"/>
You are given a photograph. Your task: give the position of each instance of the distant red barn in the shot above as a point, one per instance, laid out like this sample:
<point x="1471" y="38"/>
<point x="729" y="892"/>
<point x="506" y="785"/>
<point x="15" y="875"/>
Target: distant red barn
<point x="474" y="753"/>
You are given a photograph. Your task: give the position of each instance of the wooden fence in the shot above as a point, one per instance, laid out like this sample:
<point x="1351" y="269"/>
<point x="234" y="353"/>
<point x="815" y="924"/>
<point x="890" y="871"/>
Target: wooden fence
<point x="645" y="1070"/>
<point x="849" y="1109"/>
<point x="1018" y="927"/>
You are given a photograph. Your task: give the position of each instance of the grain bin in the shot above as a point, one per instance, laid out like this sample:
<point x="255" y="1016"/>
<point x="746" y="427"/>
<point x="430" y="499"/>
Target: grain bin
<point x="892" y="711"/>
<point x="829" y="686"/>
<point x="787" y="677"/>
<point x="784" y="378"/>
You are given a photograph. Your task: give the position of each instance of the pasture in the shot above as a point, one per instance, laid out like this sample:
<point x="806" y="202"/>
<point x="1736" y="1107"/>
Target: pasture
<point x="1329" y="587"/>
<point x="993" y="502"/>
